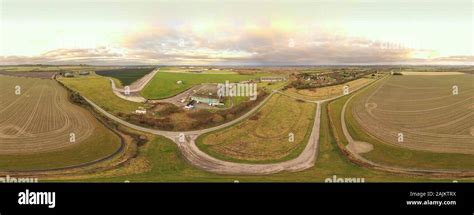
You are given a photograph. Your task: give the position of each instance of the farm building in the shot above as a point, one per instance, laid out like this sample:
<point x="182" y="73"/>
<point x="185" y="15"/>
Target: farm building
<point x="272" y="79"/>
<point x="68" y="74"/>
<point x="84" y="73"/>
<point x="211" y="99"/>
<point x="208" y="94"/>
<point x="140" y="110"/>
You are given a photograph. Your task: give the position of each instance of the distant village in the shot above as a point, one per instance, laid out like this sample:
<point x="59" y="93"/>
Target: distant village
<point x="321" y="79"/>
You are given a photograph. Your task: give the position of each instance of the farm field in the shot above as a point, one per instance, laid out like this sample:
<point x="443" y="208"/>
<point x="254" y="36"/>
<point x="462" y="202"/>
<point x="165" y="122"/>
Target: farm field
<point x="35" y="127"/>
<point x="432" y="73"/>
<point x="201" y="70"/>
<point x="164" y="85"/>
<point x="389" y="154"/>
<point x="98" y="89"/>
<point x="264" y="137"/>
<point x="327" y="92"/>
<point x="423" y="109"/>
<point x="250" y="141"/>
<point x="46" y="75"/>
<point x="126" y="76"/>
<point x="272" y="86"/>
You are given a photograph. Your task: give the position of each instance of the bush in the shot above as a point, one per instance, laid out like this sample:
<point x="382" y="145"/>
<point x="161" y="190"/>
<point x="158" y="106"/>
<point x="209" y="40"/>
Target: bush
<point x="217" y="118"/>
<point x="77" y="98"/>
<point x="229" y="116"/>
<point x="255" y="116"/>
<point x="170" y="110"/>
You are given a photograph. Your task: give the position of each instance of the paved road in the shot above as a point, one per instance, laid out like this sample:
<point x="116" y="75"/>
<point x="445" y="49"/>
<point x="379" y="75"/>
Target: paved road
<point x="135" y="88"/>
<point x="202" y="160"/>
<point x="305" y="160"/>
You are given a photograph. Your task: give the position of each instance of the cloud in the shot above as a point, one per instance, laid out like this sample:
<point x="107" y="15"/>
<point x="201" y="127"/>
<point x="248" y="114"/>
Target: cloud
<point x="263" y="45"/>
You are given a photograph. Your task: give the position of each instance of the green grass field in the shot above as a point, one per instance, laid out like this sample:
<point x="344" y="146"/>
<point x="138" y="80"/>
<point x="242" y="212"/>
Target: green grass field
<point x="272" y="86"/>
<point x="394" y="156"/>
<point x="200" y="69"/>
<point x="98" y="89"/>
<point x="164" y="85"/>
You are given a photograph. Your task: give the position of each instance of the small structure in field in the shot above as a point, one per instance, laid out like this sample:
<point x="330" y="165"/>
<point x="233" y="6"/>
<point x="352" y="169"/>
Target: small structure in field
<point x="179" y="82"/>
<point x="68" y="74"/>
<point x="84" y="73"/>
<point x="272" y="79"/>
<point x="140" y="110"/>
<point x="208" y="94"/>
<point x="190" y="105"/>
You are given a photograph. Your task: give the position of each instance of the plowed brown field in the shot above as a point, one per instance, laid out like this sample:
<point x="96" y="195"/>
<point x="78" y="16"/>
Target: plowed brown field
<point x="423" y="109"/>
<point x="37" y="124"/>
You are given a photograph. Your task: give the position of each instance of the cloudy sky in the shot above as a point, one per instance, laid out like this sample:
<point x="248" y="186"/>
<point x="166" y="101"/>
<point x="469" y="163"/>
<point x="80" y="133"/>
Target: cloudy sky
<point x="244" y="32"/>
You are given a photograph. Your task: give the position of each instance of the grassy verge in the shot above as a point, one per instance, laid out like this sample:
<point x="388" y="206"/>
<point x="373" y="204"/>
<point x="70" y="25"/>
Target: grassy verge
<point x="98" y="89"/>
<point x="272" y="86"/>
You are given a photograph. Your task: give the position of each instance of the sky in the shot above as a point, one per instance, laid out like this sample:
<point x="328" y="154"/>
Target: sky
<point x="244" y="32"/>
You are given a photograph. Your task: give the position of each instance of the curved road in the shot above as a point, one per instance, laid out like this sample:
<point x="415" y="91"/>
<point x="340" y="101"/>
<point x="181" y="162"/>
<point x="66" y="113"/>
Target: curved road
<point x="204" y="161"/>
<point x="135" y="87"/>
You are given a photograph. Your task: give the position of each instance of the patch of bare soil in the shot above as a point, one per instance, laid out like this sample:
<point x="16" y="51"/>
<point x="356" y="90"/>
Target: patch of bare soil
<point x="45" y="75"/>
<point x="360" y="147"/>
<point x="432" y="73"/>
